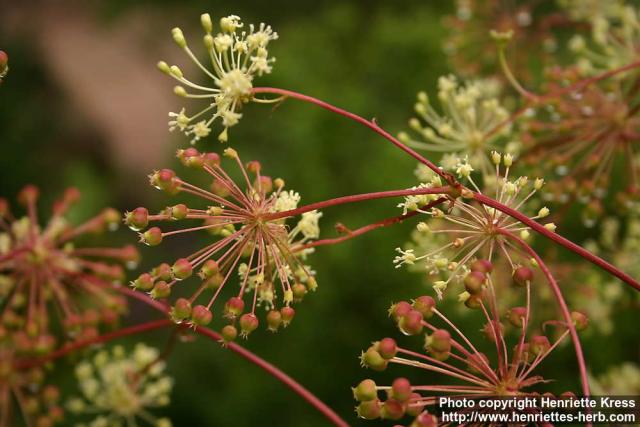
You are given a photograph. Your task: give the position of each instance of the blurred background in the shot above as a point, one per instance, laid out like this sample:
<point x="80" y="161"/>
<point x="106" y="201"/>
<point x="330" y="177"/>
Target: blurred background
<point x="84" y="106"/>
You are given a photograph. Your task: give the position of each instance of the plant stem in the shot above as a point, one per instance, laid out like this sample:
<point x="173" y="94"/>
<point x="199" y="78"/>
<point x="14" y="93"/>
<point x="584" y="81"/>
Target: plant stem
<point x="563" y="308"/>
<point x="355" y="198"/>
<point x="558" y="239"/>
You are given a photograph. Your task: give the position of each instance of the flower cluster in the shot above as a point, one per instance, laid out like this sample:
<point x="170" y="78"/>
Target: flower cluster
<point x="452" y="240"/>
<point x="236" y="57"/>
<point x="614" y="41"/>
<point x="471" y="111"/>
<point x="119" y="388"/>
<point x="44" y="275"/>
<point x="585" y="140"/>
<point x="252" y="240"/>
<point x="450" y="352"/>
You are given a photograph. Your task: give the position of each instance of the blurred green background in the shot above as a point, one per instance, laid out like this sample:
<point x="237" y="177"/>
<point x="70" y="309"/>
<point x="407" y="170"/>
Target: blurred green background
<point x="84" y="106"/>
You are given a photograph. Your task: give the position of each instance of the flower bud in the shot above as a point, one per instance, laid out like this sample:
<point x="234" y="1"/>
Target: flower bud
<point x="274" y="320"/>
<point x="580" y="320"/>
<point x="392" y="410"/>
<point x="181" y="309"/>
<point x="481" y="265"/>
<point x="387" y="348"/>
<point x="248" y="323"/>
<point x="233" y="307"/>
<point x="522" y="275"/>
<point x="365" y="391"/>
<point x="201" y="315"/>
<point x="400" y="389"/>
<point x="474" y="281"/>
<point x="516" y="316"/>
<point x="151" y="237"/>
<point x="424" y="304"/>
<point x="539" y="344"/>
<point x="164" y="67"/>
<point x="182" y="269"/>
<point x="29" y="194"/>
<point x="205" y="20"/>
<point x="411" y="323"/>
<point x="178" y="37"/>
<point x="369" y="410"/>
<point x="373" y="360"/>
<point x="287" y="315"/>
<point x="144" y="282"/>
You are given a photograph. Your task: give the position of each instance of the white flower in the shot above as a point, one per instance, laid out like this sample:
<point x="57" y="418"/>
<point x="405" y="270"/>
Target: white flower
<point x="286" y="201"/>
<point x="308" y="224"/>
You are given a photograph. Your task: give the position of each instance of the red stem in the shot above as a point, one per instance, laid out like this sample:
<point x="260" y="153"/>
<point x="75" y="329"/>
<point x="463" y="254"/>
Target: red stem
<point x="356" y="198"/>
<point x="371" y="124"/>
<point x="558" y="239"/>
<point x="452" y="182"/>
<point x="236" y="348"/>
<point x="563" y="308"/>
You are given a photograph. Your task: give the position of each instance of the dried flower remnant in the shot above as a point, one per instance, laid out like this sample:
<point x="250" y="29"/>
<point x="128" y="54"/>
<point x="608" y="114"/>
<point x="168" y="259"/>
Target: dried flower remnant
<point x="451" y="241"/>
<point x="588" y="140"/>
<point x="119" y="388"/>
<point x="237" y="56"/>
<point x="264" y="253"/>
<point x="470" y="112"/>
<point x="44" y="275"/>
<point x="450" y="352"/>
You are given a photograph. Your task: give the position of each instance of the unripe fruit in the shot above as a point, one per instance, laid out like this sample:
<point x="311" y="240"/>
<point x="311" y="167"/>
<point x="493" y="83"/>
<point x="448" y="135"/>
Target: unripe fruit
<point x="233" y="307"/>
<point x="439" y="341"/>
<point x="274" y="320"/>
<point x="248" y="323"/>
<point x="369" y="410"/>
<point x="400" y="389"/>
<point x="162" y="272"/>
<point x="539" y="344"/>
<point x="178" y="212"/>
<point x="580" y="320"/>
<point x="299" y="291"/>
<point x="476" y="362"/>
<point x="365" y="391"/>
<point x="265" y="183"/>
<point x="482" y="266"/>
<point x="372" y="359"/>
<point x="399" y="309"/>
<point x="424" y="304"/>
<point x="209" y="268"/>
<point x="474" y="281"/>
<point x="490" y="330"/>
<point x="144" y="282"/>
<point x="516" y="316"/>
<point x="181" y="309"/>
<point x="151" y="237"/>
<point x="387" y="348"/>
<point x="229" y="333"/>
<point x="522" y="275"/>
<point x="201" y="315"/>
<point x="287" y="315"/>
<point x="392" y="410"/>
<point x="474" y="301"/>
<point x="425" y="419"/>
<point x="411" y="323"/>
<point x="219" y="189"/>
<point x="182" y="269"/>
<point x="164" y="179"/>
<point x="137" y="219"/>
<point x="161" y="290"/>
<point x="211" y="159"/>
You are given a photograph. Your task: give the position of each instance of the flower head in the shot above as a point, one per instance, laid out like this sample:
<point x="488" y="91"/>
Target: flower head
<point x="44" y="275"/>
<point x="449" y="242"/>
<point x="117" y="388"/>
<point x="251" y="241"/>
<point x="507" y="369"/>
<point x="237" y="55"/>
<point x="470" y="112"/>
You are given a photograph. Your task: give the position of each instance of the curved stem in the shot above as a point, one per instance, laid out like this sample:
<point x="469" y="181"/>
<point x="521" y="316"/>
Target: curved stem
<point x="236" y="348"/>
<point x="371" y="124"/>
<point x="558" y="239"/>
<point x="356" y="198"/>
<point x="563" y="308"/>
